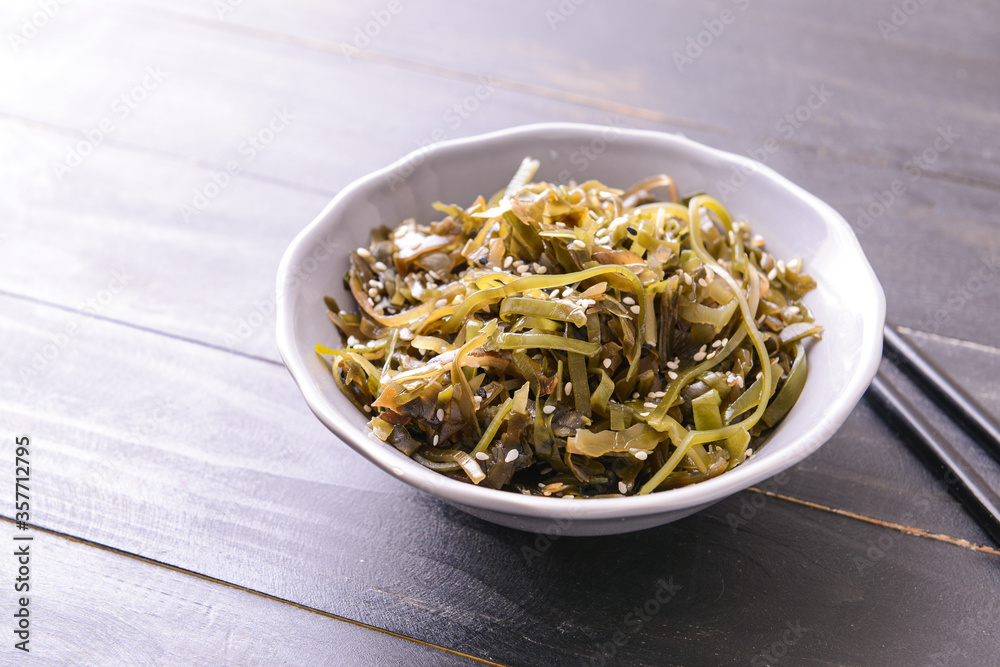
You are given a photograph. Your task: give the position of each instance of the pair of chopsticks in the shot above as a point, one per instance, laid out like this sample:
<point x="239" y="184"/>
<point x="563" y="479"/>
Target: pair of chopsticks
<point x="958" y="474"/>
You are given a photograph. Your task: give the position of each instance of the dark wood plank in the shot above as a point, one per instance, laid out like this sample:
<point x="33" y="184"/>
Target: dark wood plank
<point x="221" y="470"/>
<point x="924" y="285"/>
<point x="91" y="606"/>
<point x="224" y="474"/>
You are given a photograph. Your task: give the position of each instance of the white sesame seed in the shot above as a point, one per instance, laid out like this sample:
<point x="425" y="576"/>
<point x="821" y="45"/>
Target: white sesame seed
<point x="658" y="394"/>
<point x="495" y="268"/>
<point x="554" y="294"/>
<point x="732" y="238"/>
<point x="749" y="452"/>
<point x="703" y="348"/>
<point x="781" y="266"/>
<point x="673" y="364"/>
<point x="364" y="252"/>
<point x="622" y="488"/>
<point x="545" y="471"/>
<point x="716" y="343"/>
<point x="524" y="268"/>
<point x="643" y="414"/>
<point x="628" y="301"/>
<point x="405" y="333"/>
<point x="636" y="309"/>
<point x="379" y="266"/>
<point x="373" y="293"/>
<point x="352" y="341"/>
<point x="511" y="456"/>
<point x="508" y="260"/>
<point x="709" y="274"/>
<point x="649" y="405"/>
<point x="540" y="269"/>
<point x="641" y="455"/>
<point x="698" y="356"/>
<point x="607" y="363"/>
<point x="702" y="282"/>
<point x="567" y="291"/>
<point x="441" y="303"/>
<point x="436" y="438"/>
<point x="482" y="456"/>
<point x="440" y="414"/>
<point x="546" y="493"/>
<point x="772" y="274"/>
<point x="672" y="375"/>
<point x="549" y="409"/>
<point x="368" y="408"/>
<point x="568" y="389"/>
<point x="636" y="395"/>
<point x="711" y="354"/>
<point x="688" y="279"/>
<point x="794" y="264"/>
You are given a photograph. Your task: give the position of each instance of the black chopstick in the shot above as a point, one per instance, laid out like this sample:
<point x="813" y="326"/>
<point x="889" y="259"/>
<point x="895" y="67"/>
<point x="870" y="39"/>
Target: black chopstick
<point x="960" y="476"/>
<point x="960" y="406"/>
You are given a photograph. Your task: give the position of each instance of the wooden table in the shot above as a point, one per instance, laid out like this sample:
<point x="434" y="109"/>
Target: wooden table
<point x="185" y="506"/>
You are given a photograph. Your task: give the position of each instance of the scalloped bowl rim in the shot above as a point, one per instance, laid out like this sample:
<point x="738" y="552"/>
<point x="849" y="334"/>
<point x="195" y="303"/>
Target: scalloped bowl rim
<point x="680" y="500"/>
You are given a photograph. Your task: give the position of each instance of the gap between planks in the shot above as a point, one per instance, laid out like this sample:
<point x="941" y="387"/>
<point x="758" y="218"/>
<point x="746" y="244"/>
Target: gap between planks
<point x="909" y="530"/>
<point x="137" y="327"/>
<point x="145" y="150"/>
<point x="238" y="587"/>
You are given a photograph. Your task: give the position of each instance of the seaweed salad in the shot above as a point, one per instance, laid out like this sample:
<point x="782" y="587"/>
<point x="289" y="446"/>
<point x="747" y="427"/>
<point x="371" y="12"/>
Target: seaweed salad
<point x="574" y="340"/>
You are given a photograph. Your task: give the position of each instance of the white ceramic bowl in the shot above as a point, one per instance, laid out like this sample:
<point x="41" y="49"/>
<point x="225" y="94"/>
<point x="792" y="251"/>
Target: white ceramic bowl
<point x="849" y="301"/>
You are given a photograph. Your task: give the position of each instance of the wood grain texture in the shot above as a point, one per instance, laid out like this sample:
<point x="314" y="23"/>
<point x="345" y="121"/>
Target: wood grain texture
<point x="227" y="474"/>
<point x="220" y="69"/>
<point x="92" y="607"/>
<point x="138" y="345"/>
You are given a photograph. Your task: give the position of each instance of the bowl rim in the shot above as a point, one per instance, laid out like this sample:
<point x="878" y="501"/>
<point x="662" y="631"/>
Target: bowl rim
<point x="702" y="494"/>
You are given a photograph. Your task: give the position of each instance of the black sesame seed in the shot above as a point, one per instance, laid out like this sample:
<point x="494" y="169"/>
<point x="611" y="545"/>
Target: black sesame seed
<point x="483" y="260"/>
<point x="631" y="230"/>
